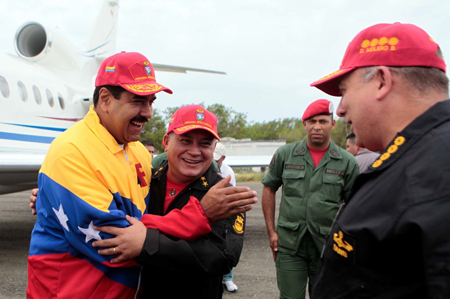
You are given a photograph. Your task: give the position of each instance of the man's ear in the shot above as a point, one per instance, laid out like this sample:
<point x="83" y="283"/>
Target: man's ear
<point x="384" y="82"/>
<point x="166" y="139"/>
<point x="104" y="99"/>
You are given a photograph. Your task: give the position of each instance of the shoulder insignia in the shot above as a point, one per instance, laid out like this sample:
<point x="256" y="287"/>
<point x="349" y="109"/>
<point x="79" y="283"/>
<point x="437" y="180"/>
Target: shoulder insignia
<point x="389" y="152"/>
<point x="204" y="182"/>
<point x="272" y="162"/>
<point x="333" y="171"/>
<point x="238" y="225"/>
<point x="334" y="153"/>
<point x="298" y="167"/>
<point x="300" y="151"/>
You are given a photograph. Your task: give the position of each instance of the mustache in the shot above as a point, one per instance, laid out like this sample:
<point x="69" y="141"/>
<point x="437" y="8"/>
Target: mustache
<point x="139" y="119"/>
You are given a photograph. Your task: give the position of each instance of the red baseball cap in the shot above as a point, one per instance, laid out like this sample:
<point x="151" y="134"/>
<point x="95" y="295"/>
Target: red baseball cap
<point x="394" y="44"/>
<point x="192" y="117"/>
<point x="131" y="71"/>
<point x="319" y="107"/>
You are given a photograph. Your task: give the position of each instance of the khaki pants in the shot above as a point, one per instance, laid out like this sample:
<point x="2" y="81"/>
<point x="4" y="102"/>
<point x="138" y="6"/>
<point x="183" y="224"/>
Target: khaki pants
<point x="293" y="271"/>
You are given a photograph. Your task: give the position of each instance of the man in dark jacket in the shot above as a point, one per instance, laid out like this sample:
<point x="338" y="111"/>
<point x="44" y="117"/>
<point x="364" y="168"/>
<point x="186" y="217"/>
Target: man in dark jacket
<point x="176" y="268"/>
<point x="391" y="238"/>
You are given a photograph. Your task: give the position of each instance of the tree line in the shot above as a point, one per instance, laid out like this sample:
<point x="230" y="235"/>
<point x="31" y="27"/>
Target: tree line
<point x="231" y="123"/>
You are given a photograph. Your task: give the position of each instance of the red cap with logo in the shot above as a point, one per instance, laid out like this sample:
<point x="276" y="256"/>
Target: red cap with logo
<point x="193" y="117"/>
<point x="388" y="45"/>
<point x="130" y="70"/>
<point x="319" y="107"/>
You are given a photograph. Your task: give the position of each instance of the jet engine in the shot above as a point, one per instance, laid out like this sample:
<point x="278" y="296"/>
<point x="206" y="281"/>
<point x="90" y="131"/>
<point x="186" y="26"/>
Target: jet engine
<point x="36" y="43"/>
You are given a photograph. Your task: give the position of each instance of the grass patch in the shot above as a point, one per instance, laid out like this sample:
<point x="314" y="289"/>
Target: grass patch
<point x="249" y="176"/>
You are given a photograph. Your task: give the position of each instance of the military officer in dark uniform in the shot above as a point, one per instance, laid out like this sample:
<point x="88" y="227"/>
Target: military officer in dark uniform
<point x="175" y="268"/>
<point x="316" y="176"/>
<point x="391" y="238"/>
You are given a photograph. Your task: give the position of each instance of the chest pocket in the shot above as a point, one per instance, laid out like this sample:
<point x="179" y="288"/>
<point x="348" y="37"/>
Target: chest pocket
<point x="333" y="186"/>
<point x="293" y="180"/>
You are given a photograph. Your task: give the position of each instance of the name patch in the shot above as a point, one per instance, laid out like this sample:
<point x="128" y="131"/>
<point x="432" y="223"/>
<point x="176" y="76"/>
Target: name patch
<point x="333" y="171"/>
<point x="298" y="167"/>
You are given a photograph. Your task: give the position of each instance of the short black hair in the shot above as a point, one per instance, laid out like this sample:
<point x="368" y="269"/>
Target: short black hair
<point x="116" y="91"/>
<point x="351" y="137"/>
<point x="147" y="142"/>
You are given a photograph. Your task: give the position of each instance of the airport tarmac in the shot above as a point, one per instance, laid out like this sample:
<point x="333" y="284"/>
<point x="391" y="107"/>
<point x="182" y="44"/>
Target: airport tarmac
<point x="255" y="274"/>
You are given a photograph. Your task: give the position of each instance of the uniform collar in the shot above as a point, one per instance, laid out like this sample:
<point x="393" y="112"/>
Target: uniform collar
<point x="93" y="122"/>
<point x="333" y="150"/>
<point x="433" y="117"/>
<point x="203" y="183"/>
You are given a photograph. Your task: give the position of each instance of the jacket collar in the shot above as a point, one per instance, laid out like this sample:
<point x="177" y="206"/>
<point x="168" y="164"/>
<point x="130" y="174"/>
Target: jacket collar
<point x="203" y="183"/>
<point x="433" y="117"/>
<point x="93" y="122"/>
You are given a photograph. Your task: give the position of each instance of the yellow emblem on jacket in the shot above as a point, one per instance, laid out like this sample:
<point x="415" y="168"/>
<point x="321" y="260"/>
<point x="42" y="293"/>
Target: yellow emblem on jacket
<point x="340" y="246"/>
<point x="239" y="224"/>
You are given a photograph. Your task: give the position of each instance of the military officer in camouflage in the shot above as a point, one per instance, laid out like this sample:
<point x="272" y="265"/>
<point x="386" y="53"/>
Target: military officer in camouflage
<point x="316" y="176"/>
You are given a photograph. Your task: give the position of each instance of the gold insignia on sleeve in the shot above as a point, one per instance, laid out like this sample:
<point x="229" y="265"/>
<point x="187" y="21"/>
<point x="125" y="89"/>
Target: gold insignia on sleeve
<point x="340" y="246"/>
<point x="205" y="183"/>
<point x="238" y="225"/>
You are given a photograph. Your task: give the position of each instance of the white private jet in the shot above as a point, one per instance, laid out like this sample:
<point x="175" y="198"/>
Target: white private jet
<point x="48" y="87"/>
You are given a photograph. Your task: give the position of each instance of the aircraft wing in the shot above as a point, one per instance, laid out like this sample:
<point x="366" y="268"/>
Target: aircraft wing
<point x="181" y="69"/>
<point x="19" y="170"/>
<point x="248" y="161"/>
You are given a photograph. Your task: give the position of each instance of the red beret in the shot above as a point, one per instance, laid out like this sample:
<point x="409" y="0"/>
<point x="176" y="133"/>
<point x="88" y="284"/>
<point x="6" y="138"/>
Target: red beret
<point x="318" y="107"/>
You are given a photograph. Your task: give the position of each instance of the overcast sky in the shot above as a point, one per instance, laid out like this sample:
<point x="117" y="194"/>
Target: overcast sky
<point x="271" y="50"/>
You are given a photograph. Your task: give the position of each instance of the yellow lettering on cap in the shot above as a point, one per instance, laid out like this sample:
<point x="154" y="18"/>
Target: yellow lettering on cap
<point x="203" y="123"/>
<point x="381" y="44"/>
<point x="146" y="87"/>
<point x="393" y="41"/>
<point x="330" y="75"/>
<point x="365" y="43"/>
<point x="383" y="41"/>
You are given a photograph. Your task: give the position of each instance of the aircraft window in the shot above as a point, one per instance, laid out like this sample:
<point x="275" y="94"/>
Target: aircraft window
<point x="4" y="87"/>
<point x="61" y="101"/>
<point x="37" y="95"/>
<point x="51" y="102"/>
<point x="22" y="91"/>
